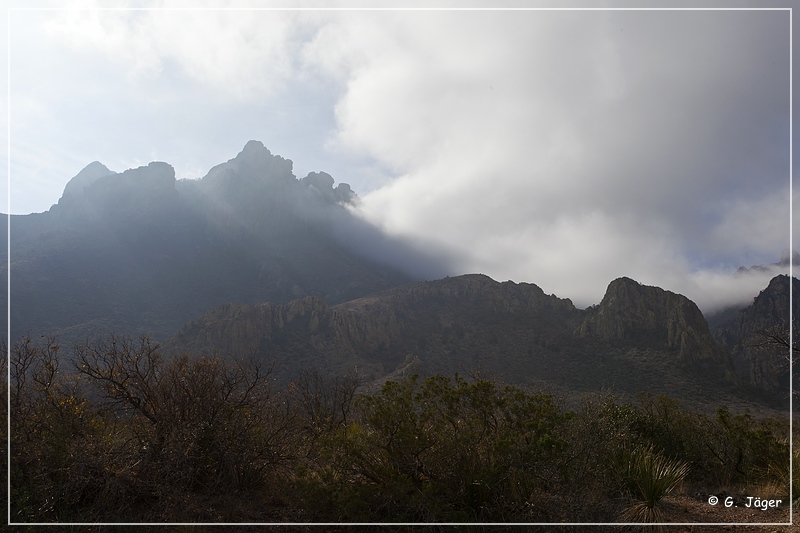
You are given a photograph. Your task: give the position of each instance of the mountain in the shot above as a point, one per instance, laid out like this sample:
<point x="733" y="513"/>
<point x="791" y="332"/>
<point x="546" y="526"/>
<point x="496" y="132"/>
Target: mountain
<point x="656" y="318"/>
<point x="140" y="251"/>
<point x="754" y="336"/>
<point x="250" y="260"/>
<point x="638" y="339"/>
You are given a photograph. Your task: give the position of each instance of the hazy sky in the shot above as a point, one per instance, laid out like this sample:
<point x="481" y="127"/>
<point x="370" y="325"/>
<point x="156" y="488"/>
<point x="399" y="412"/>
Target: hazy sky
<point x="564" y="148"/>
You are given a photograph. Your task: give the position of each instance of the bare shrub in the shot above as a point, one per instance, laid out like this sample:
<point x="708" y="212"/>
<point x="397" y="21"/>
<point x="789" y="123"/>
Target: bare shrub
<point x="204" y="424"/>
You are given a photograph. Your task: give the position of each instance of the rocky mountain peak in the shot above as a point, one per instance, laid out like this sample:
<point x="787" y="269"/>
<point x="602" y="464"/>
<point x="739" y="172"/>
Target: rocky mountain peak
<point x="254" y="147"/>
<point x="778" y="288"/>
<point x="651" y="316"/>
<point x="255" y="173"/>
<point x="759" y="361"/>
<point x="97" y="191"/>
<point x="256" y="161"/>
<point x="770" y="307"/>
<point x="153" y="178"/>
<point x="90" y="173"/>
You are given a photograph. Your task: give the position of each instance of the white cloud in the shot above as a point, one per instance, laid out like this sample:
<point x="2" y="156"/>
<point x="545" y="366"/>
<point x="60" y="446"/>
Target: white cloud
<point x="755" y="225"/>
<point x="244" y="54"/>
<point x="567" y="149"/>
<point x="714" y="290"/>
<point x="559" y="148"/>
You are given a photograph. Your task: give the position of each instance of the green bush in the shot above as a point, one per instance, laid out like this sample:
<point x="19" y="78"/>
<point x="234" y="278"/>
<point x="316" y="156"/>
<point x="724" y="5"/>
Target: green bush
<point x="449" y="449"/>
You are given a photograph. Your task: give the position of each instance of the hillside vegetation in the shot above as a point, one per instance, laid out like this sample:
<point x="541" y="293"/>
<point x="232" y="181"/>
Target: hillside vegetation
<point x="127" y="436"/>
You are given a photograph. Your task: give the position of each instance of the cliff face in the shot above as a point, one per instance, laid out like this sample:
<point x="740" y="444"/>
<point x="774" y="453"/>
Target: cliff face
<point x="446" y="323"/>
<point x="245" y="329"/>
<point x="654" y="317"/>
<point x="755" y="337"/>
<point x="638" y="339"/>
<point x="439" y="308"/>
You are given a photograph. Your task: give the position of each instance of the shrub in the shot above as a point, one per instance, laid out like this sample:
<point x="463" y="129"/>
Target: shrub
<point x="207" y="424"/>
<point x="448" y="449"/>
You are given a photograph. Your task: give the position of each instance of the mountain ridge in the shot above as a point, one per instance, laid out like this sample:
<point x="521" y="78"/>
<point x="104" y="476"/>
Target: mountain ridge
<point x="472" y="323"/>
<point x="141" y="252"/>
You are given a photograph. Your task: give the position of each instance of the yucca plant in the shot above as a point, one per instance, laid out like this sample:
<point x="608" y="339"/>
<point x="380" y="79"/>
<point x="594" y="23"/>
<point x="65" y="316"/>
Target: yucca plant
<point x="775" y="477"/>
<point x="650" y="477"/>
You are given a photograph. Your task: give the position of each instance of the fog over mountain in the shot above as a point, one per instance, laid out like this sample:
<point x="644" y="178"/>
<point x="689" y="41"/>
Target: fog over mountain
<point x="141" y="252"/>
<point x="561" y="147"/>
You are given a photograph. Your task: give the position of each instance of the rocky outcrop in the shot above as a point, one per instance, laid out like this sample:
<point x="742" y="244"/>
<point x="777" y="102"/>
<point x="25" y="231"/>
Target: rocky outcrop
<point x="322" y="184"/>
<point x="654" y="318"/>
<point x="755" y="338"/>
<point x="454" y="319"/>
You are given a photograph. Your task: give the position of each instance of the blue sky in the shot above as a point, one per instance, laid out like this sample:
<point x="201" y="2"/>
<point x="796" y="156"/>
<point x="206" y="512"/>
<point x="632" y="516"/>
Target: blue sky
<point x="563" y="148"/>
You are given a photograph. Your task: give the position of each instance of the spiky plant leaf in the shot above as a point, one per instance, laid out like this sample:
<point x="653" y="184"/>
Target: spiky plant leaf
<point x="651" y="476"/>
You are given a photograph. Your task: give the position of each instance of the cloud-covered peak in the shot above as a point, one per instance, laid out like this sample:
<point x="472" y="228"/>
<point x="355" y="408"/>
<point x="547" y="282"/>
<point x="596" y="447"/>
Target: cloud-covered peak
<point x="255" y="162"/>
